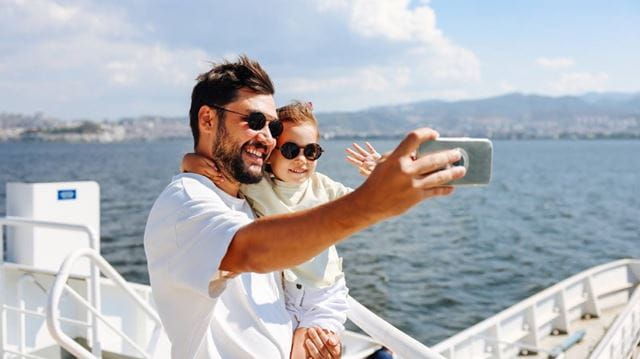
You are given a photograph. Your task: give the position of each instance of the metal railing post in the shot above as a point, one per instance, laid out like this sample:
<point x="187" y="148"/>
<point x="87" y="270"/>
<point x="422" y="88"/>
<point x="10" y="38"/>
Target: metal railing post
<point x="59" y="286"/>
<point x="94" y="243"/>
<point x="3" y="319"/>
<point x="95" y="299"/>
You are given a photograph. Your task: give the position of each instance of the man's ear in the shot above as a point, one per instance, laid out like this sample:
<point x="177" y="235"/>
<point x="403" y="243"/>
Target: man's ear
<point x="206" y="119"/>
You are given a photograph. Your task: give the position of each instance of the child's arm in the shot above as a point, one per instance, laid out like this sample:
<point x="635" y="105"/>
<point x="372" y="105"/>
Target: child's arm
<point x="328" y="307"/>
<point x="364" y="160"/>
<point x="194" y="163"/>
<point x="319" y="319"/>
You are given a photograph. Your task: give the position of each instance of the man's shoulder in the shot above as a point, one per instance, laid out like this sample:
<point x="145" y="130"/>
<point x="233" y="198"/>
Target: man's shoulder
<point x="187" y="186"/>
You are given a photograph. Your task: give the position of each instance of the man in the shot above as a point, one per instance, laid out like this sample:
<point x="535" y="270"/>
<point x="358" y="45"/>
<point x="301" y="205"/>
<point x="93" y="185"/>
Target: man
<point x="214" y="270"/>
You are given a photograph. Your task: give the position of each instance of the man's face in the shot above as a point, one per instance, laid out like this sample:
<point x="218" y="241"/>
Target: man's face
<point x="239" y="151"/>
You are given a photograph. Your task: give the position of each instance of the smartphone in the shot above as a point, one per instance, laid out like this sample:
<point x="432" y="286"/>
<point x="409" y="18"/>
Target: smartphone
<point x="477" y="157"/>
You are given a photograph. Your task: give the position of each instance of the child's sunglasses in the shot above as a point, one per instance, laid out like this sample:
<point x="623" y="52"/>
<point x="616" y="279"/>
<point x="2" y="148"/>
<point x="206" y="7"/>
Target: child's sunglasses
<point x="256" y="121"/>
<point x="290" y="150"/>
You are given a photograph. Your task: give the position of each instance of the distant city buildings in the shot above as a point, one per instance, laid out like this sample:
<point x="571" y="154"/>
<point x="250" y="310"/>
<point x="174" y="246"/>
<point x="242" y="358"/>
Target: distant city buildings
<point x="513" y="116"/>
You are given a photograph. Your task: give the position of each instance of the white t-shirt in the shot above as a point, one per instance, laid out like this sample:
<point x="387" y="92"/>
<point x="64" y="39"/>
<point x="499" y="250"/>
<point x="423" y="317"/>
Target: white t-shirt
<point x="208" y="313"/>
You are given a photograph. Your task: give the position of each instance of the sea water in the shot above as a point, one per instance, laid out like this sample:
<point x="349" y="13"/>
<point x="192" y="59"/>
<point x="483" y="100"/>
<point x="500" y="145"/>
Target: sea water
<point x="553" y="208"/>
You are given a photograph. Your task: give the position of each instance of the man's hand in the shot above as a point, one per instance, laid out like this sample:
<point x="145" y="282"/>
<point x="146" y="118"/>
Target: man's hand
<point x="400" y="181"/>
<point x="322" y="344"/>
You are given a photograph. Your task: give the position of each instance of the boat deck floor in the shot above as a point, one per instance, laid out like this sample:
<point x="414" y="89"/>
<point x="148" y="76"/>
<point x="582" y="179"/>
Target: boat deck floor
<point x="594" y="328"/>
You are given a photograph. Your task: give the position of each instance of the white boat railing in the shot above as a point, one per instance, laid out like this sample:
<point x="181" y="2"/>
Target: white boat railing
<point x="386" y="334"/>
<point x="623" y="335"/>
<point x="523" y="326"/>
<point x="58" y="288"/>
<point x="93" y="304"/>
<point x="94" y="275"/>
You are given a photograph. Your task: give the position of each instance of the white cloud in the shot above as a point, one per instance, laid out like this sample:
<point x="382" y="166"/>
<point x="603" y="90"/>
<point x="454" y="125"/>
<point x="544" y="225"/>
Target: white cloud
<point x="578" y="82"/>
<point x="36" y="16"/>
<point x="423" y="64"/>
<point x="352" y="89"/>
<point x="395" y="21"/>
<point x="555" y="63"/>
<point x="74" y="53"/>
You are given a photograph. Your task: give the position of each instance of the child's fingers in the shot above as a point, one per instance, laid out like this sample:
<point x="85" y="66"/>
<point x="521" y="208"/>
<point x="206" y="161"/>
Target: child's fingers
<point x="356" y="155"/>
<point x="331" y="343"/>
<point x="360" y="149"/>
<point x="370" y="148"/>
<point x="372" y="151"/>
<point x="311" y="349"/>
<point x="314" y="335"/>
<point x="215" y="177"/>
<point x="354" y="161"/>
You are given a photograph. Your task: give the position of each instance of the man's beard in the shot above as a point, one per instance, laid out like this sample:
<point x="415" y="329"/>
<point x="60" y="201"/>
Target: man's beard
<point x="228" y="158"/>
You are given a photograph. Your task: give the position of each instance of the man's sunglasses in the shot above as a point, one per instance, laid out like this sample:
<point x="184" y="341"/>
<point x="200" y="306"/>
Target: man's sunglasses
<point x="290" y="150"/>
<point x="256" y="121"/>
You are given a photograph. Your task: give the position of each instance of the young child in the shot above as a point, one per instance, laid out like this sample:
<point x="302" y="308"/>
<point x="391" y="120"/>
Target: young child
<point x="315" y="291"/>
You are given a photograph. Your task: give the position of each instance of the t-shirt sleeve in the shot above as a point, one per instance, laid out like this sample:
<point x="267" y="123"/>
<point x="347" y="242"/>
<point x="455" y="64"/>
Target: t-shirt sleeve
<point x="203" y="231"/>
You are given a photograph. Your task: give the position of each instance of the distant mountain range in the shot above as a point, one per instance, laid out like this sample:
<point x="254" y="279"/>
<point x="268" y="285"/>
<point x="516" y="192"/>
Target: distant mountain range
<point x="592" y="115"/>
<point x="508" y="116"/>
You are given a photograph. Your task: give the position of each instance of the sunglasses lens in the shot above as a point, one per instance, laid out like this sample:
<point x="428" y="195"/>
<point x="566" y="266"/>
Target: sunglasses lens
<point x="276" y="128"/>
<point x="289" y="150"/>
<point x="312" y="151"/>
<point x="256" y="121"/>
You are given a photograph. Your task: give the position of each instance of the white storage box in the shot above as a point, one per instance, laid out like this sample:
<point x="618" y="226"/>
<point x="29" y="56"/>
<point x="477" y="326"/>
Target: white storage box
<point x="66" y="202"/>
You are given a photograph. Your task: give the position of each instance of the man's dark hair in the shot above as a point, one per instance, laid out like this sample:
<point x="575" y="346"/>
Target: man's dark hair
<point x="219" y="86"/>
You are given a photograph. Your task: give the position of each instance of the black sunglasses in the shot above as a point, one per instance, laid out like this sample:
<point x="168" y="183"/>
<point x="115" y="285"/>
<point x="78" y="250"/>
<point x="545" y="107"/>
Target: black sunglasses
<point x="290" y="150"/>
<point x="256" y="121"/>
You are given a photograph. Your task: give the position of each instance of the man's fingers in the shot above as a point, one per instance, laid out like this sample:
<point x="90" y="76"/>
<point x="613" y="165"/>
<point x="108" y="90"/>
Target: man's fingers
<point x="438" y="191"/>
<point x="440" y="178"/>
<point x="434" y="161"/>
<point x="414" y="139"/>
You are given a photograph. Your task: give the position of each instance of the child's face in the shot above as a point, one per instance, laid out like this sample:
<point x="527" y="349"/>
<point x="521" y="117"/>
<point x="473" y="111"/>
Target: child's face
<point x="298" y="169"/>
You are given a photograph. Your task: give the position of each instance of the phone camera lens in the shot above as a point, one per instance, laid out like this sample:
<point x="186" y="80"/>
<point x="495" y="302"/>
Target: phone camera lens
<point x="460" y="162"/>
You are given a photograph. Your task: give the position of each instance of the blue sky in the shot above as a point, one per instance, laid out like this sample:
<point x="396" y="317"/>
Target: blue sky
<point x="107" y="59"/>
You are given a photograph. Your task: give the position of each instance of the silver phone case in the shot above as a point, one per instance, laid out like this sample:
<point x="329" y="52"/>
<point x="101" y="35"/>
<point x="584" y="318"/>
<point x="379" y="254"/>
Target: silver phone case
<point x="477" y="157"/>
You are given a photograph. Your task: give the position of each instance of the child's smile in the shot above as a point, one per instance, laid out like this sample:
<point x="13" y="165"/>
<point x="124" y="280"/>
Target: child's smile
<point x="299" y="168"/>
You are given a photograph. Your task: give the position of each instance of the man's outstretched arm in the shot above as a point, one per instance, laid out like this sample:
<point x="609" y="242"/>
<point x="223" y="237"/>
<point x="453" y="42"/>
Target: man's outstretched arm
<point x="398" y="183"/>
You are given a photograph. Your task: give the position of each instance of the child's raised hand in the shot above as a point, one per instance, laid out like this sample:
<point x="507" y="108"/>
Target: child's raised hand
<point x="195" y="163"/>
<point x="364" y="160"/>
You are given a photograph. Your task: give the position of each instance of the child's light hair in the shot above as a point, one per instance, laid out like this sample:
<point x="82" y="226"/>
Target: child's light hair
<point x="298" y="113"/>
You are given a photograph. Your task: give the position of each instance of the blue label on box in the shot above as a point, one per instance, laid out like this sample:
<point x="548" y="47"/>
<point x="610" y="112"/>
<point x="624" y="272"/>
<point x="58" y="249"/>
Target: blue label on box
<point x="66" y="194"/>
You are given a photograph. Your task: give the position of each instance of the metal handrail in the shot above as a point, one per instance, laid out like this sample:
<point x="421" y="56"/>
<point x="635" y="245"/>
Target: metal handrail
<point x="493" y="323"/>
<point x="94" y="275"/>
<point x="382" y="332"/>
<point x="628" y="322"/>
<point x="53" y="316"/>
